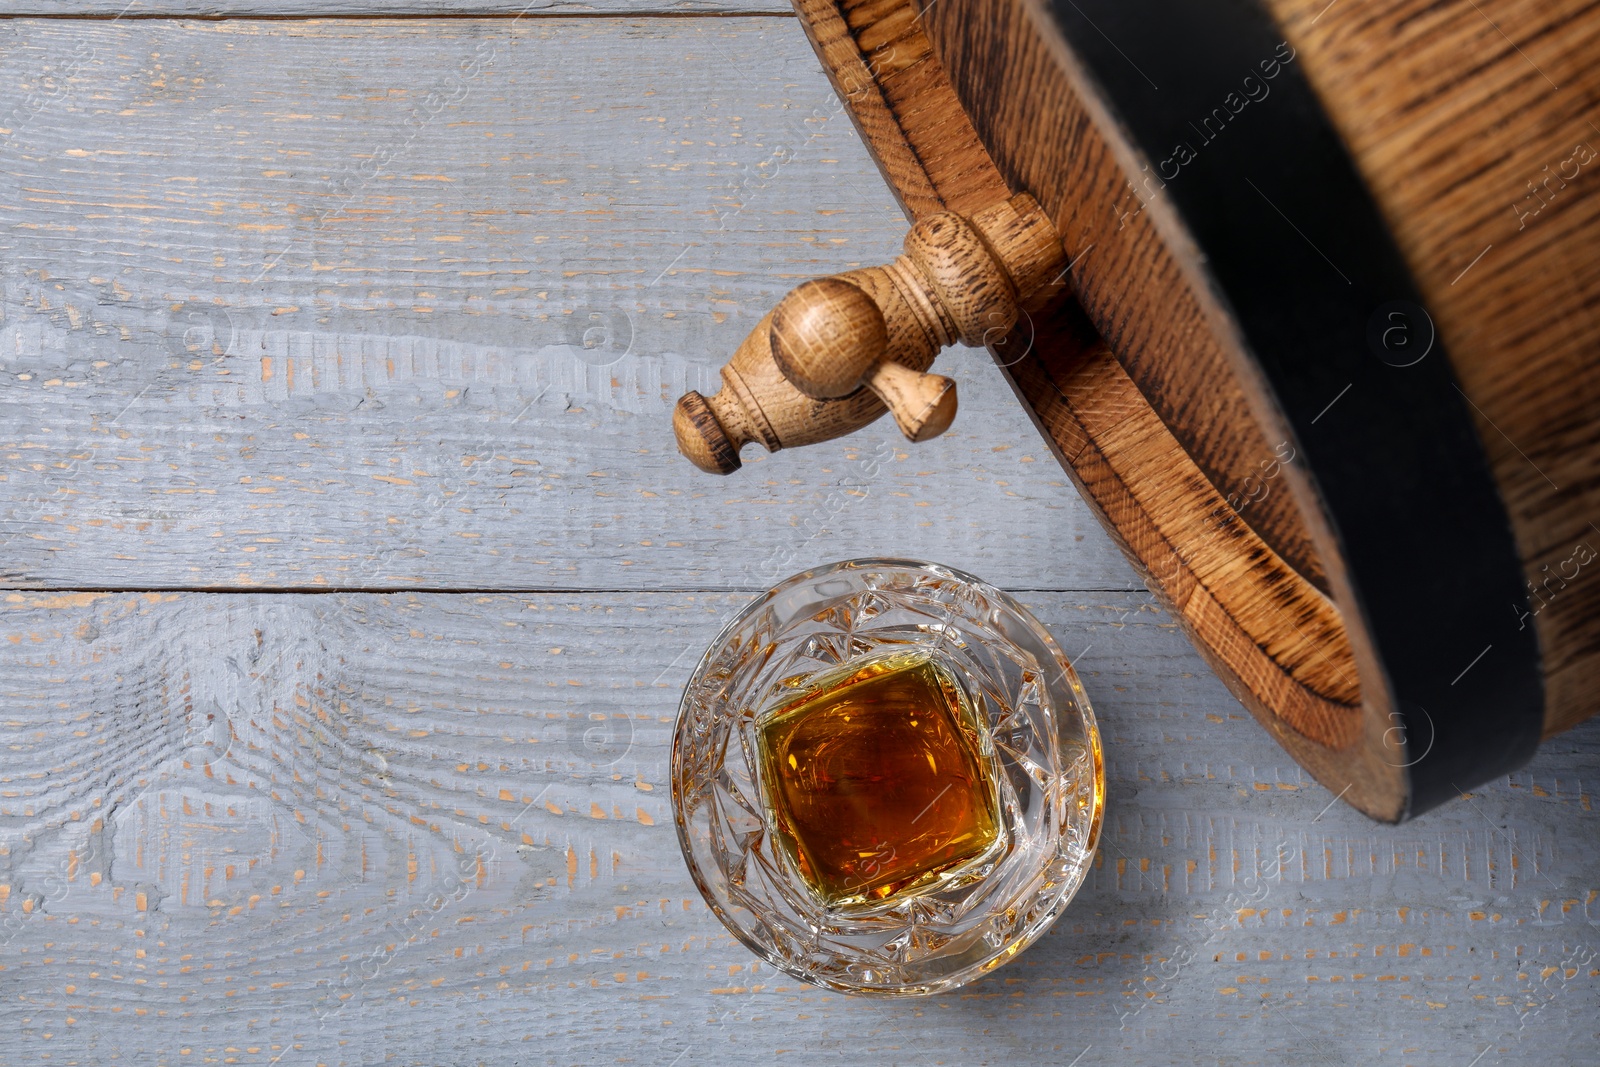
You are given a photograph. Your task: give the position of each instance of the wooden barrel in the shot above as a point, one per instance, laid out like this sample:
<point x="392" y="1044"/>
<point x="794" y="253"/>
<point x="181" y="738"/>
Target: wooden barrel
<point x="1332" y="373"/>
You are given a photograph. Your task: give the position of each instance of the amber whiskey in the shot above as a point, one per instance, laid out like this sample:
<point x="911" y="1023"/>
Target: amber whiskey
<point x="880" y="781"/>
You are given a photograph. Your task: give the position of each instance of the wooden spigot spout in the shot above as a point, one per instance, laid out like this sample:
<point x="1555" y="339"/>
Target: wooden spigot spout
<point x="837" y="352"/>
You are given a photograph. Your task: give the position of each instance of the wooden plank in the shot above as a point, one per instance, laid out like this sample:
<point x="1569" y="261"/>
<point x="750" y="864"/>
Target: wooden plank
<point x="136" y="9"/>
<point x="406" y="305"/>
<point x="219" y="814"/>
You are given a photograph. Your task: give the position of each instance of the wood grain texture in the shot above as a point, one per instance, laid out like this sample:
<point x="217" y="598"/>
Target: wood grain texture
<point x="1044" y="138"/>
<point x="239" y="353"/>
<point x="140" y="9"/>
<point x="1500" y="237"/>
<point x="220" y="814"/>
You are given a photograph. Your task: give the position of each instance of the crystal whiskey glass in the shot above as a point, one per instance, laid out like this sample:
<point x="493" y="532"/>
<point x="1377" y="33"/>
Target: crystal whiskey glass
<point x="886" y="777"/>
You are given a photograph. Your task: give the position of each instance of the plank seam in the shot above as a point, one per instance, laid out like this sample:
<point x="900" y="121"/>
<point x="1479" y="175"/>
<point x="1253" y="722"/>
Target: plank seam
<point x="443" y="16"/>
<point x="517" y="591"/>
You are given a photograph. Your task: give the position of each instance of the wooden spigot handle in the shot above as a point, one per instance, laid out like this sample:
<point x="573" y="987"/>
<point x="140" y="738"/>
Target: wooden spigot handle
<point x="798" y="377"/>
<point x="923" y="405"/>
<point x="829" y="338"/>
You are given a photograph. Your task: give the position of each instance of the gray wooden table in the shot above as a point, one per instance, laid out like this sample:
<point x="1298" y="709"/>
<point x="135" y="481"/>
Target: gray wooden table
<point x="352" y="578"/>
